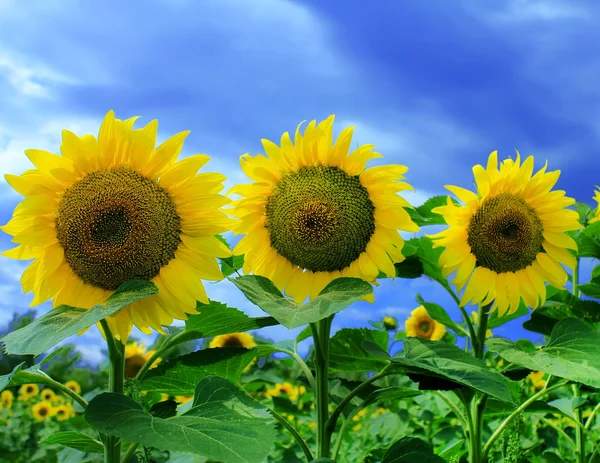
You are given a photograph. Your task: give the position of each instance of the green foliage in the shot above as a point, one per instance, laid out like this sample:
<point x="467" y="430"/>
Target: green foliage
<point x="75" y="440"/>
<point x="573" y="353"/>
<point x="223" y="423"/>
<point x="346" y="351"/>
<point x="64" y="321"/>
<point x="411" y="450"/>
<point x="441" y="361"/>
<point x="336" y="296"/>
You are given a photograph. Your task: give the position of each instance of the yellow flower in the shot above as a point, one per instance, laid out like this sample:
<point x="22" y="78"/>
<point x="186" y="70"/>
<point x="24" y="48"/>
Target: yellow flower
<point x="597" y="199"/>
<point x="233" y="340"/>
<point x="390" y="323"/>
<point x="26" y="391"/>
<point x="163" y="397"/>
<point x="291" y="391"/>
<point x="47" y="394"/>
<point x="509" y="238"/>
<point x="74" y="386"/>
<point x="183" y="399"/>
<point x="357" y="427"/>
<point x="58" y="399"/>
<point x="62" y="412"/>
<point x="537" y="379"/>
<point x="113" y="209"/>
<point x="6" y="399"/>
<point x="42" y="411"/>
<point x="315" y="213"/>
<point x="421" y="325"/>
<point x="136" y="355"/>
<point x="488" y="333"/>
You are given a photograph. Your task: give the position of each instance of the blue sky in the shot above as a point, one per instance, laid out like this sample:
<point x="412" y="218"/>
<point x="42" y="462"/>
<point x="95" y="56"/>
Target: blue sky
<point x="436" y="85"/>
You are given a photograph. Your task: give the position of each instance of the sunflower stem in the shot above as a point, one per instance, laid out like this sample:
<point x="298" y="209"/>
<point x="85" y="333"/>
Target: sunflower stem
<point x="579" y="429"/>
<point x="301" y="442"/>
<point x="116" y="384"/>
<point x="321" y="331"/>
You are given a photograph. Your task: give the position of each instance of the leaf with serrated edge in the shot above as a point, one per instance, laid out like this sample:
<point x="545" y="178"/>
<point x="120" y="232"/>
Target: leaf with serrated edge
<point x="337" y="295"/>
<point x="223" y="424"/>
<point x="75" y="440"/>
<point x="65" y="321"/>
<point x="573" y="353"/>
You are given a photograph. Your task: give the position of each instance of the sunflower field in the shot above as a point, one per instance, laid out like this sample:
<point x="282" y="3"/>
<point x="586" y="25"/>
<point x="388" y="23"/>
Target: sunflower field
<point x="119" y="233"/>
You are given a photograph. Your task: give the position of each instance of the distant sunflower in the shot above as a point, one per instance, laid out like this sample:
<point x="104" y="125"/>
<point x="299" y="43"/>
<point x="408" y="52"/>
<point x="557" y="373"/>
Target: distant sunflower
<point x="233" y="340"/>
<point x="26" y="391"/>
<point x="113" y="209"/>
<point x="538" y="380"/>
<point x="136" y="355"/>
<point x="597" y="214"/>
<point x="6" y="399"/>
<point x="74" y="386"/>
<point x="421" y="325"/>
<point x="316" y="213"/>
<point x="62" y="412"/>
<point x="389" y="323"/>
<point x="286" y="389"/>
<point x="42" y="411"/>
<point x="509" y="238"/>
<point x="47" y="394"/>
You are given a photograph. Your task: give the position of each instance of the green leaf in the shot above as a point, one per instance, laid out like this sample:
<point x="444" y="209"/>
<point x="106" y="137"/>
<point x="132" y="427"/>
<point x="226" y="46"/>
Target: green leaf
<point x="75" y="440"/>
<point x="18" y="376"/>
<point x="390" y="393"/>
<point x="216" y="318"/>
<point x="573" y="353"/>
<point x="223" y="424"/>
<point x="346" y="351"/>
<point x="545" y="318"/>
<point x="411" y="450"/>
<point x="336" y="296"/>
<point x="448" y="362"/>
<point x="410" y="267"/>
<point x="304" y="334"/>
<point x="323" y="460"/>
<point x="568" y="405"/>
<point x="64" y="321"/>
<point x="231" y="265"/>
<point x="423" y="216"/>
<point x="590" y="290"/>
<point x="180" y="375"/>
<point x="439" y="314"/>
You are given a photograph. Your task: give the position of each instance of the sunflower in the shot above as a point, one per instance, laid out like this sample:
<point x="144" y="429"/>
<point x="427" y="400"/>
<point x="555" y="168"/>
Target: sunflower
<point x="233" y="340"/>
<point x="537" y="380"/>
<point x="183" y="399"/>
<point x="286" y="389"/>
<point x="136" y="355"/>
<point x="421" y="325"/>
<point x="597" y="214"/>
<point x="389" y="323"/>
<point x="74" y="386"/>
<point x="115" y="208"/>
<point x="488" y="333"/>
<point x="47" y="394"/>
<point x="6" y="399"/>
<point x="27" y="391"/>
<point x="315" y="213"/>
<point x="42" y="411"/>
<point x="62" y="412"/>
<point x="508" y="239"/>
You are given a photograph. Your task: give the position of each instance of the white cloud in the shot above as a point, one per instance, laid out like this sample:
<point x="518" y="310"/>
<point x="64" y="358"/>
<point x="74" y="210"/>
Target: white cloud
<point x="540" y="10"/>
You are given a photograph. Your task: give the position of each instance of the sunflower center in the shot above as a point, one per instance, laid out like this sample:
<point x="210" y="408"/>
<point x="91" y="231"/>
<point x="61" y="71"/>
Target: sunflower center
<point x="133" y="365"/>
<point x="117" y="225"/>
<point x="320" y="218"/>
<point x="43" y="411"/>
<point x="505" y="234"/>
<point x="424" y="327"/>
<point x="233" y="341"/>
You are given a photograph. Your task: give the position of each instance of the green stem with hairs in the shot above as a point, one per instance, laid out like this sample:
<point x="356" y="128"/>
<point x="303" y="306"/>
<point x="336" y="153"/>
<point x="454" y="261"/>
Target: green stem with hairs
<point x="116" y="355"/>
<point x="321" y="331"/>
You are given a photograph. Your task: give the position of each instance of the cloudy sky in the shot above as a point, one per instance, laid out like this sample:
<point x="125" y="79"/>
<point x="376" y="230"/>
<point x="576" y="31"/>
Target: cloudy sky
<point x="436" y="85"/>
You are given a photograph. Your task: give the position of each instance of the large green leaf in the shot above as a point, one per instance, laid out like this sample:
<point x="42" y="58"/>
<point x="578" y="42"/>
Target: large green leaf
<point x="447" y="362"/>
<point x="180" y="375"/>
<point x="19" y="376"/>
<point x="336" y="296"/>
<point x="215" y="318"/>
<point x="411" y="450"/>
<point x="591" y="290"/>
<point x="75" y="440"/>
<point x="64" y="321"/>
<point x="346" y="351"/>
<point x="573" y="352"/>
<point x="223" y="424"/>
